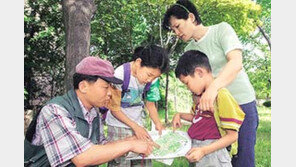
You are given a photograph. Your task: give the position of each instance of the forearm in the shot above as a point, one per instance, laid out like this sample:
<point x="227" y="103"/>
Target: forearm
<point x="153" y="112"/>
<point x="223" y="142"/>
<point x="186" y="116"/>
<point x="99" y="154"/>
<point x="123" y="118"/>
<point x="230" y="71"/>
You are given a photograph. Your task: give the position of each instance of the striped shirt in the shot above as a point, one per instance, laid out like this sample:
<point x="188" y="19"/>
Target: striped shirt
<point x="230" y="114"/>
<point x="56" y="130"/>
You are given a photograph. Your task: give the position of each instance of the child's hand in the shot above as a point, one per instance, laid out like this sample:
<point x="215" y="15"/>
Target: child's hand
<point x="195" y="154"/>
<point x="159" y="127"/>
<point x="141" y="133"/>
<point x="176" y="122"/>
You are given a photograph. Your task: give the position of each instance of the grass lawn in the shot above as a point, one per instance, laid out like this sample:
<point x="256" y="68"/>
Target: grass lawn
<point x="262" y="148"/>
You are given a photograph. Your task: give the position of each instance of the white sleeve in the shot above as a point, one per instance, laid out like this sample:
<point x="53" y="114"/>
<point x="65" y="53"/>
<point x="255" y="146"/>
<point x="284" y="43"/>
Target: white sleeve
<point x="118" y="73"/>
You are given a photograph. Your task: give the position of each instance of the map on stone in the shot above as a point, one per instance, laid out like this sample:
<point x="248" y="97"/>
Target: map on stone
<point x="172" y="144"/>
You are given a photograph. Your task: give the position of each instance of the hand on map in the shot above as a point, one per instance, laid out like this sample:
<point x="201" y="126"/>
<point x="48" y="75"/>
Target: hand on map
<point x="159" y="127"/>
<point x="142" y="147"/>
<point x="195" y="154"/>
<point x="141" y="133"/>
<point x="176" y="122"/>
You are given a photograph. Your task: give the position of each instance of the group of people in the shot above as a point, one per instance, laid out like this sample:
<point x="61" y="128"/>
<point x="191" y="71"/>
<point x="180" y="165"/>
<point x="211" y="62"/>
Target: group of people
<point x="68" y="131"/>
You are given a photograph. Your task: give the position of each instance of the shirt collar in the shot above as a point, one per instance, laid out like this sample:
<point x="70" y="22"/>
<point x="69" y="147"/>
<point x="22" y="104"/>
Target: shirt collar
<point x="88" y="115"/>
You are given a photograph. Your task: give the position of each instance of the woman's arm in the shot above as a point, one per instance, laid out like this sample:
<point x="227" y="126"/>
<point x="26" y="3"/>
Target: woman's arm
<point x="224" y="78"/>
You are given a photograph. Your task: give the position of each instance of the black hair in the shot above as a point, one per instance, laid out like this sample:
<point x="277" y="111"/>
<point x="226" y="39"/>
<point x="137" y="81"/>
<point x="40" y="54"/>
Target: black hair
<point x="180" y="10"/>
<point x="152" y="56"/>
<point x="77" y="78"/>
<point x="189" y="61"/>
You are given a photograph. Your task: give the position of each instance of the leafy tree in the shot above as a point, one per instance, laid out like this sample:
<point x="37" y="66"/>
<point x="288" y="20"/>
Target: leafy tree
<point x="43" y="50"/>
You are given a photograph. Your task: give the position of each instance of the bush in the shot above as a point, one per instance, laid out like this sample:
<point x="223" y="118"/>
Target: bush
<point x="267" y="103"/>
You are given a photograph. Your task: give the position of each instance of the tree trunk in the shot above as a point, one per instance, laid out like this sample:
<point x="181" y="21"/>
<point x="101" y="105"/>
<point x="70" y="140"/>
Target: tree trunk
<point x="77" y="16"/>
<point x="171" y="50"/>
<point x="166" y="97"/>
<point x="265" y="36"/>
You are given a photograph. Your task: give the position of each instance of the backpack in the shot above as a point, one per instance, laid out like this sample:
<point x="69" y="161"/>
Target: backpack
<point x="126" y="80"/>
<point x="124" y="87"/>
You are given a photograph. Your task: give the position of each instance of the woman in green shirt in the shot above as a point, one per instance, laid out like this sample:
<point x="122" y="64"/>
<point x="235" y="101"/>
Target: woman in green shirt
<point x="224" y="50"/>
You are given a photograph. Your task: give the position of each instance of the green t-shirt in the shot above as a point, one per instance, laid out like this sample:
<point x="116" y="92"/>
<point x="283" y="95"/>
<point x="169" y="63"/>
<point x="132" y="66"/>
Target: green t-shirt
<point x="153" y="94"/>
<point x="216" y="43"/>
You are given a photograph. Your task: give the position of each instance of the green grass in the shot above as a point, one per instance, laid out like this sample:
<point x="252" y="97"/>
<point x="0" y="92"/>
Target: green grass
<point x="262" y="147"/>
<point x="263" y="142"/>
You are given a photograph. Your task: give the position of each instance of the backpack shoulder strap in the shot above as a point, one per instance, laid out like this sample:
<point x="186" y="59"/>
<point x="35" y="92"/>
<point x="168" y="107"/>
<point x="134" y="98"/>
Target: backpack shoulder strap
<point x="146" y="89"/>
<point x="126" y="77"/>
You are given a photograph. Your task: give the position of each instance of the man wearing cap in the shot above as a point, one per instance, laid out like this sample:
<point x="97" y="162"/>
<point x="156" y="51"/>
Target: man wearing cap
<point x="66" y="132"/>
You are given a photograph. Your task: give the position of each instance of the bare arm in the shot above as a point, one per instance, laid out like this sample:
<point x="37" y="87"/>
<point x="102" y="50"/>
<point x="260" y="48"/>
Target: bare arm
<point x="140" y="132"/>
<point x="154" y="115"/>
<point x="231" y="69"/>
<point x="177" y="119"/>
<point x="186" y="116"/>
<point x="224" y="78"/>
<point x="196" y="153"/>
<point x="99" y="154"/>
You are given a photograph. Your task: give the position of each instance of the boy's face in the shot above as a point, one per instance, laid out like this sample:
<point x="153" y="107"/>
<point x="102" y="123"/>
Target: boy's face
<point x="194" y="83"/>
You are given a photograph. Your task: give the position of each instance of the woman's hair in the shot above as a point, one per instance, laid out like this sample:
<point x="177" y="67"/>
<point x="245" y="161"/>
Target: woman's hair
<point x="189" y="61"/>
<point x="152" y="56"/>
<point x="180" y="10"/>
<point x="77" y="78"/>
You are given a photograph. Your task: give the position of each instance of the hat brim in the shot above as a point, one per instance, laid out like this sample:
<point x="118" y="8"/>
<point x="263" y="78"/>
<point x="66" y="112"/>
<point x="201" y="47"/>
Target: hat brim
<point x="113" y="80"/>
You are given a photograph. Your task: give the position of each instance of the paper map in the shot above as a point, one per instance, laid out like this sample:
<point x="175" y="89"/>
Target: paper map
<point x="172" y="144"/>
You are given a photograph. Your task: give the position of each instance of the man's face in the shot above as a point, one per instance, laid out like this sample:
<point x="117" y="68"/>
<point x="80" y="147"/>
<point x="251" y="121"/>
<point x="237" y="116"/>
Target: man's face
<point x="98" y="93"/>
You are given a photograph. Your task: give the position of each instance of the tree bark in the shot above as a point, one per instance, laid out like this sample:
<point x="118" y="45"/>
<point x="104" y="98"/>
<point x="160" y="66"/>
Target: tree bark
<point x="77" y="16"/>
<point x="171" y="50"/>
<point x="166" y="98"/>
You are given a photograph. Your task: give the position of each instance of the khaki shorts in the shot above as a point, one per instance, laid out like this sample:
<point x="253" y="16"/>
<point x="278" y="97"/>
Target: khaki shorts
<point x="219" y="158"/>
<point x="117" y="133"/>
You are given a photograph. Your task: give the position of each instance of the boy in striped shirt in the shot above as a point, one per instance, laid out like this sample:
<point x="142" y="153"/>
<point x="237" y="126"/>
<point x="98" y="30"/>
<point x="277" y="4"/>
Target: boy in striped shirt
<point x="211" y="133"/>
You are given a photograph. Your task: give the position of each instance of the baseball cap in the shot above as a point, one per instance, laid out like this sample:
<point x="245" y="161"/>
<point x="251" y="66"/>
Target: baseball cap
<point x="96" y="66"/>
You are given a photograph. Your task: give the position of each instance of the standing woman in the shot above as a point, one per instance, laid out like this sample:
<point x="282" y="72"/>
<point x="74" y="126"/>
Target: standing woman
<point x="224" y="50"/>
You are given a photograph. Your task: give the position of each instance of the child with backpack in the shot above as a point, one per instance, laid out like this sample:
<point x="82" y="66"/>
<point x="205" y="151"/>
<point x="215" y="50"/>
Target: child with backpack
<point x="148" y="63"/>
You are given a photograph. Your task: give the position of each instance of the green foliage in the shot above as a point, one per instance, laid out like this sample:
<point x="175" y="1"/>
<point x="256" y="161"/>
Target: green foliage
<point x="241" y="14"/>
<point x="25" y="93"/>
<point x="257" y="63"/>
<point x="179" y="97"/>
<point x="43" y="49"/>
<point x="119" y="26"/>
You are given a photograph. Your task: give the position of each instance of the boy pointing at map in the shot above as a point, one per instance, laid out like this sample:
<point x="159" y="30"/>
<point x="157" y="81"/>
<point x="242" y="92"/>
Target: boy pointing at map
<point x="210" y="132"/>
